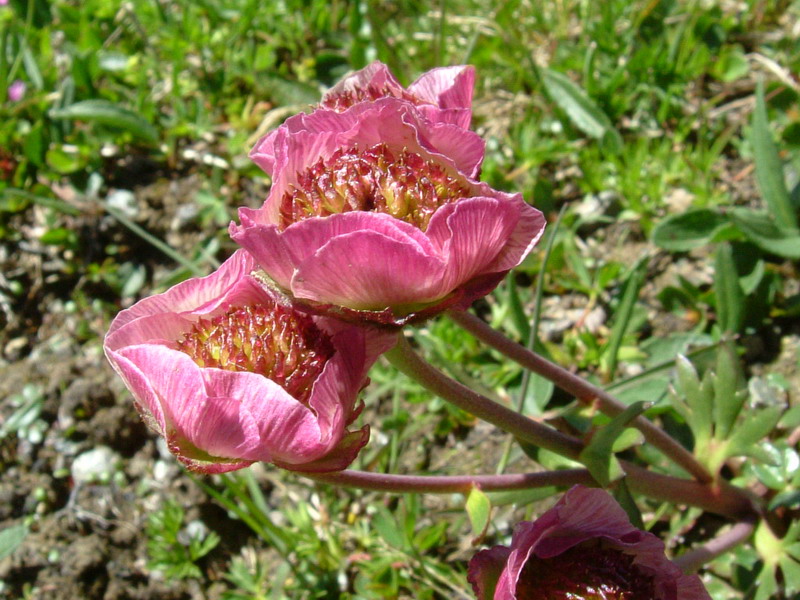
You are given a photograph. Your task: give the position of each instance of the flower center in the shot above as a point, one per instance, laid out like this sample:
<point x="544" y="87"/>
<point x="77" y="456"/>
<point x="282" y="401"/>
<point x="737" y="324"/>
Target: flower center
<point x="404" y="185"/>
<point x="267" y="339"/>
<point x="587" y="571"/>
<point x="343" y="100"/>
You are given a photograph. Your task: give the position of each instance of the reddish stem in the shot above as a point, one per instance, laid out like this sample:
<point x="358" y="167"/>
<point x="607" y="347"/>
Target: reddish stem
<point x="695" y="558"/>
<point x="438" y="484"/>
<point x="406" y="361"/>
<point x="582" y="390"/>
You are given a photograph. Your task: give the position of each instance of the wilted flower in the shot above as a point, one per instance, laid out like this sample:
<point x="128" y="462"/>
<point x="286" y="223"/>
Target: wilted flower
<point x="230" y="375"/>
<point x="16" y="90"/>
<point x="442" y="95"/>
<point x="373" y="215"/>
<point x="584" y="548"/>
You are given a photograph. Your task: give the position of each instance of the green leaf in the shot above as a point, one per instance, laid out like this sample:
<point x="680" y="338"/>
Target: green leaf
<point x="582" y="111"/>
<point x="766" y="585"/>
<point x="622" y="316"/>
<point x="699" y="400"/>
<point x="624" y="498"/>
<point x="479" y="509"/>
<point x="752" y="430"/>
<point x="384" y="523"/>
<point x="765" y="233"/>
<point x="769" y="169"/>
<point x="727" y="291"/>
<point x="598" y="455"/>
<point x="11" y="538"/>
<point x="729" y="396"/>
<point x="64" y="161"/>
<point x="108" y="113"/>
<point x="692" y="229"/>
<point x="521" y="497"/>
<point x="791" y="574"/>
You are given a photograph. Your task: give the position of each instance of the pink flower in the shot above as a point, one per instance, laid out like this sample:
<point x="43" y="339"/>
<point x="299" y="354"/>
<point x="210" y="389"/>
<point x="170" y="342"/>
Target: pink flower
<point x="16" y="90"/>
<point x="442" y="95"/>
<point x="373" y="215"/>
<point x="583" y="548"/>
<point x="230" y="375"/>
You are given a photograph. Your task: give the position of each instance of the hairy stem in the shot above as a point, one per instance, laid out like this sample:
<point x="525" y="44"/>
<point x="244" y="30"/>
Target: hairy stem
<point x="582" y="390"/>
<point x="695" y="558"/>
<point x="717" y="497"/>
<point x="438" y="484"/>
<point x="406" y="361"/>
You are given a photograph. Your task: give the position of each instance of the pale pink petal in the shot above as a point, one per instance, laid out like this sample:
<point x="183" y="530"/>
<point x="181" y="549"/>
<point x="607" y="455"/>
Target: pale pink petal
<point x="282" y="427"/>
<point x="376" y="74"/>
<point x="305" y="247"/>
<point x="363" y="270"/>
<point x="485" y="570"/>
<point x="338" y="458"/>
<point x="195" y="296"/>
<point x="470" y="234"/>
<point x="146" y="400"/>
<point x="526" y="235"/>
<point x="160" y="328"/>
<point x="458" y="145"/>
<point x="447" y="87"/>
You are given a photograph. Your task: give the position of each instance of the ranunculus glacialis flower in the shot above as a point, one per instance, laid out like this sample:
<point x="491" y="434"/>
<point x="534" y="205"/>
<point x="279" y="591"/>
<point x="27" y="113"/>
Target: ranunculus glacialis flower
<point x="229" y="374"/>
<point x="374" y="215"/>
<point x="584" y="548"/>
<point x="442" y="95"/>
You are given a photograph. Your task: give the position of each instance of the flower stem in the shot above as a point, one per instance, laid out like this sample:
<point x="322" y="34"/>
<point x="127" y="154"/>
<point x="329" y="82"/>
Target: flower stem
<point x="406" y="361"/>
<point x="582" y="390"/>
<point x="443" y="484"/>
<point x="717" y="497"/>
<point x="695" y="558"/>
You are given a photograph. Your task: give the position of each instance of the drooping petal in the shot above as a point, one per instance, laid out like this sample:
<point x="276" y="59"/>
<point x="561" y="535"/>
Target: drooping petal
<point x="485" y="569"/>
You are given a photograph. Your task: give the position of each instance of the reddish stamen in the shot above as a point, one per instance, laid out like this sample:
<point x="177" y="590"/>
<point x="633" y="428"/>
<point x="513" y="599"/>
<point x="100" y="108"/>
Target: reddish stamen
<point x="267" y="339"/>
<point x="341" y="101"/>
<point x="406" y="186"/>
<point x="588" y="571"/>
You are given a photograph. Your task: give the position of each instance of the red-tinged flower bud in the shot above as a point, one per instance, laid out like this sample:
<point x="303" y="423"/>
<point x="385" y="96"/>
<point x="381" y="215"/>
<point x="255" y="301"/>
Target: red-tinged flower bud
<point x="584" y="548"/>
<point x="589" y="571"/>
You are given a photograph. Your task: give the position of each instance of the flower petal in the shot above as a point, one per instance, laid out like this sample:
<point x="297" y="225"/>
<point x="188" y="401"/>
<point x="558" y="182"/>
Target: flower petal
<point x="191" y="419"/>
<point x="447" y="87"/>
<point x="278" y="426"/>
<point x="194" y="296"/>
<point x="470" y="234"/>
<point x="338" y="458"/>
<point x="485" y="569"/>
<point x="360" y="270"/>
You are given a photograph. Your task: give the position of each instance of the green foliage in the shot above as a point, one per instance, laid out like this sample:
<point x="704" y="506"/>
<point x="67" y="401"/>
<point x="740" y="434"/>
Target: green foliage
<point x="174" y="548"/>
<point x="712" y="407"/>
